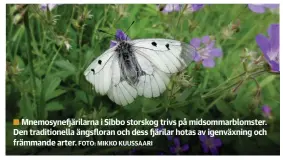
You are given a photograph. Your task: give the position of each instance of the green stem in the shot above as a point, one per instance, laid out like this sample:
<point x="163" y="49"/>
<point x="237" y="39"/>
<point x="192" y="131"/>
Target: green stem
<point x="222" y="90"/>
<point x="257" y="73"/>
<point x="211" y="105"/>
<point x="80" y="46"/>
<point x="179" y="17"/>
<point x="57" y="52"/>
<point x="227" y="81"/>
<point x="216" y="90"/>
<point x="52" y="61"/>
<point x="30" y="58"/>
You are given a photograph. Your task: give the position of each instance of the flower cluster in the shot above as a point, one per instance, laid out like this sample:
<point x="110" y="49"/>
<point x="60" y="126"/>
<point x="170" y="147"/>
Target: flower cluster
<point x="206" y="51"/>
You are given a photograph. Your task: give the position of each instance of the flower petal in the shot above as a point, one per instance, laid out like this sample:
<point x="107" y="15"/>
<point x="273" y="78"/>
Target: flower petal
<point x="112" y="43"/>
<point x="263" y="44"/>
<point x="266" y="109"/>
<point x="210" y="44"/>
<point x="273" y="32"/>
<point x="169" y="138"/>
<point x="196" y="7"/>
<point x="271" y="6"/>
<point x="257" y="8"/>
<point x="214" y="150"/>
<point x="202" y="138"/>
<point x="195" y="42"/>
<point x="185" y="147"/>
<point x="217" y="142"/>
<point x="205" y="149"/>
<point x="173" y="149"/>
<point x="205" y="39"/>
<point x="216" y="52"/>
<point x="177" y="142"/>
<point x="43" y="6"/>
<point x="209" y="63"/>
<point x="197" y="57"/>
<point x="120" y="35"/>
<point x="274" y="66"/>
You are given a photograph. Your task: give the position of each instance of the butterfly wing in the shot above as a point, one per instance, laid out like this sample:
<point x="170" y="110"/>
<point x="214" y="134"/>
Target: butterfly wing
<point x="104" y="74"/>
<point x="153" y="82"/>
<point x="99" y="72"/>
<point x="120" y="92"/>
<point x="170" y="56"/>
<point x="159" y="58"/>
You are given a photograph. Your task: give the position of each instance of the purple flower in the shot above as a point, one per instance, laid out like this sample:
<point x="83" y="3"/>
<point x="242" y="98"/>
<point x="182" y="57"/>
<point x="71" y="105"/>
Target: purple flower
<point x="194" y="7"/>
<point x="266" y="111"/>
<point x="210" y="144"/>
<point x="44" y="6"/>
<point x="207" y="53"/>
<point x="197" y="6"/>
<point x="260" y="8"/>
<point x="120" y="35"/>
<point x="177" y="148"/>
<point x="270" y="47"/>
<point x="169" y="7"/>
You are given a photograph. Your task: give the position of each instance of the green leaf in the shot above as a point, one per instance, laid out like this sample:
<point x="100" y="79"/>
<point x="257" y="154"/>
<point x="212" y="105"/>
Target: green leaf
<point x="267" y="80"/>
<point x="20" y="62"/>
<point x="62" y="74"/>
<point x="177" y="114"/>
<point x="55" y="94"/>
<point x="80" y="95"/>
<point x="50" y="85"/>
<point x="150" y="105"/>
<point x="54" y="106"/>
<point x="151" y="109"/>
<point x="26" y="107"/>
<point x="66" y="65"/>
<point x="224" y="108"/>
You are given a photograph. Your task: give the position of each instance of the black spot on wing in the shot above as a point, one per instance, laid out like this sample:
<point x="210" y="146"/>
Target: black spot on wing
<point x="154" y="44"/>
<point x="99" y="61"/>
<point x="167" y="46"/>
<point x="92" y="70"/>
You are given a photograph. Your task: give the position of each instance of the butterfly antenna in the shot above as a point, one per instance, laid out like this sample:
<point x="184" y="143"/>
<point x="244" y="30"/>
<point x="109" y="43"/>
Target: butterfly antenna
<point x="102" y="31"/>
<point x="128" y="29"/>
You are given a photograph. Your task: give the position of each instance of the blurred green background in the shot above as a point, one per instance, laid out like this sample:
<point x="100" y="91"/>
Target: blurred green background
<point x="44" y="77"/>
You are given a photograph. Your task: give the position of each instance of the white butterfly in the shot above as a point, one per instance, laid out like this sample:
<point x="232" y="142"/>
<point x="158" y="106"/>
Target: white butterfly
<point x="138" y="67"/>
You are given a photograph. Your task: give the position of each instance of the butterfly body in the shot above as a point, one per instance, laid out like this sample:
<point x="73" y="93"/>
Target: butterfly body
<point x="130" y="68"/>
<point x="138" y="67"/>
